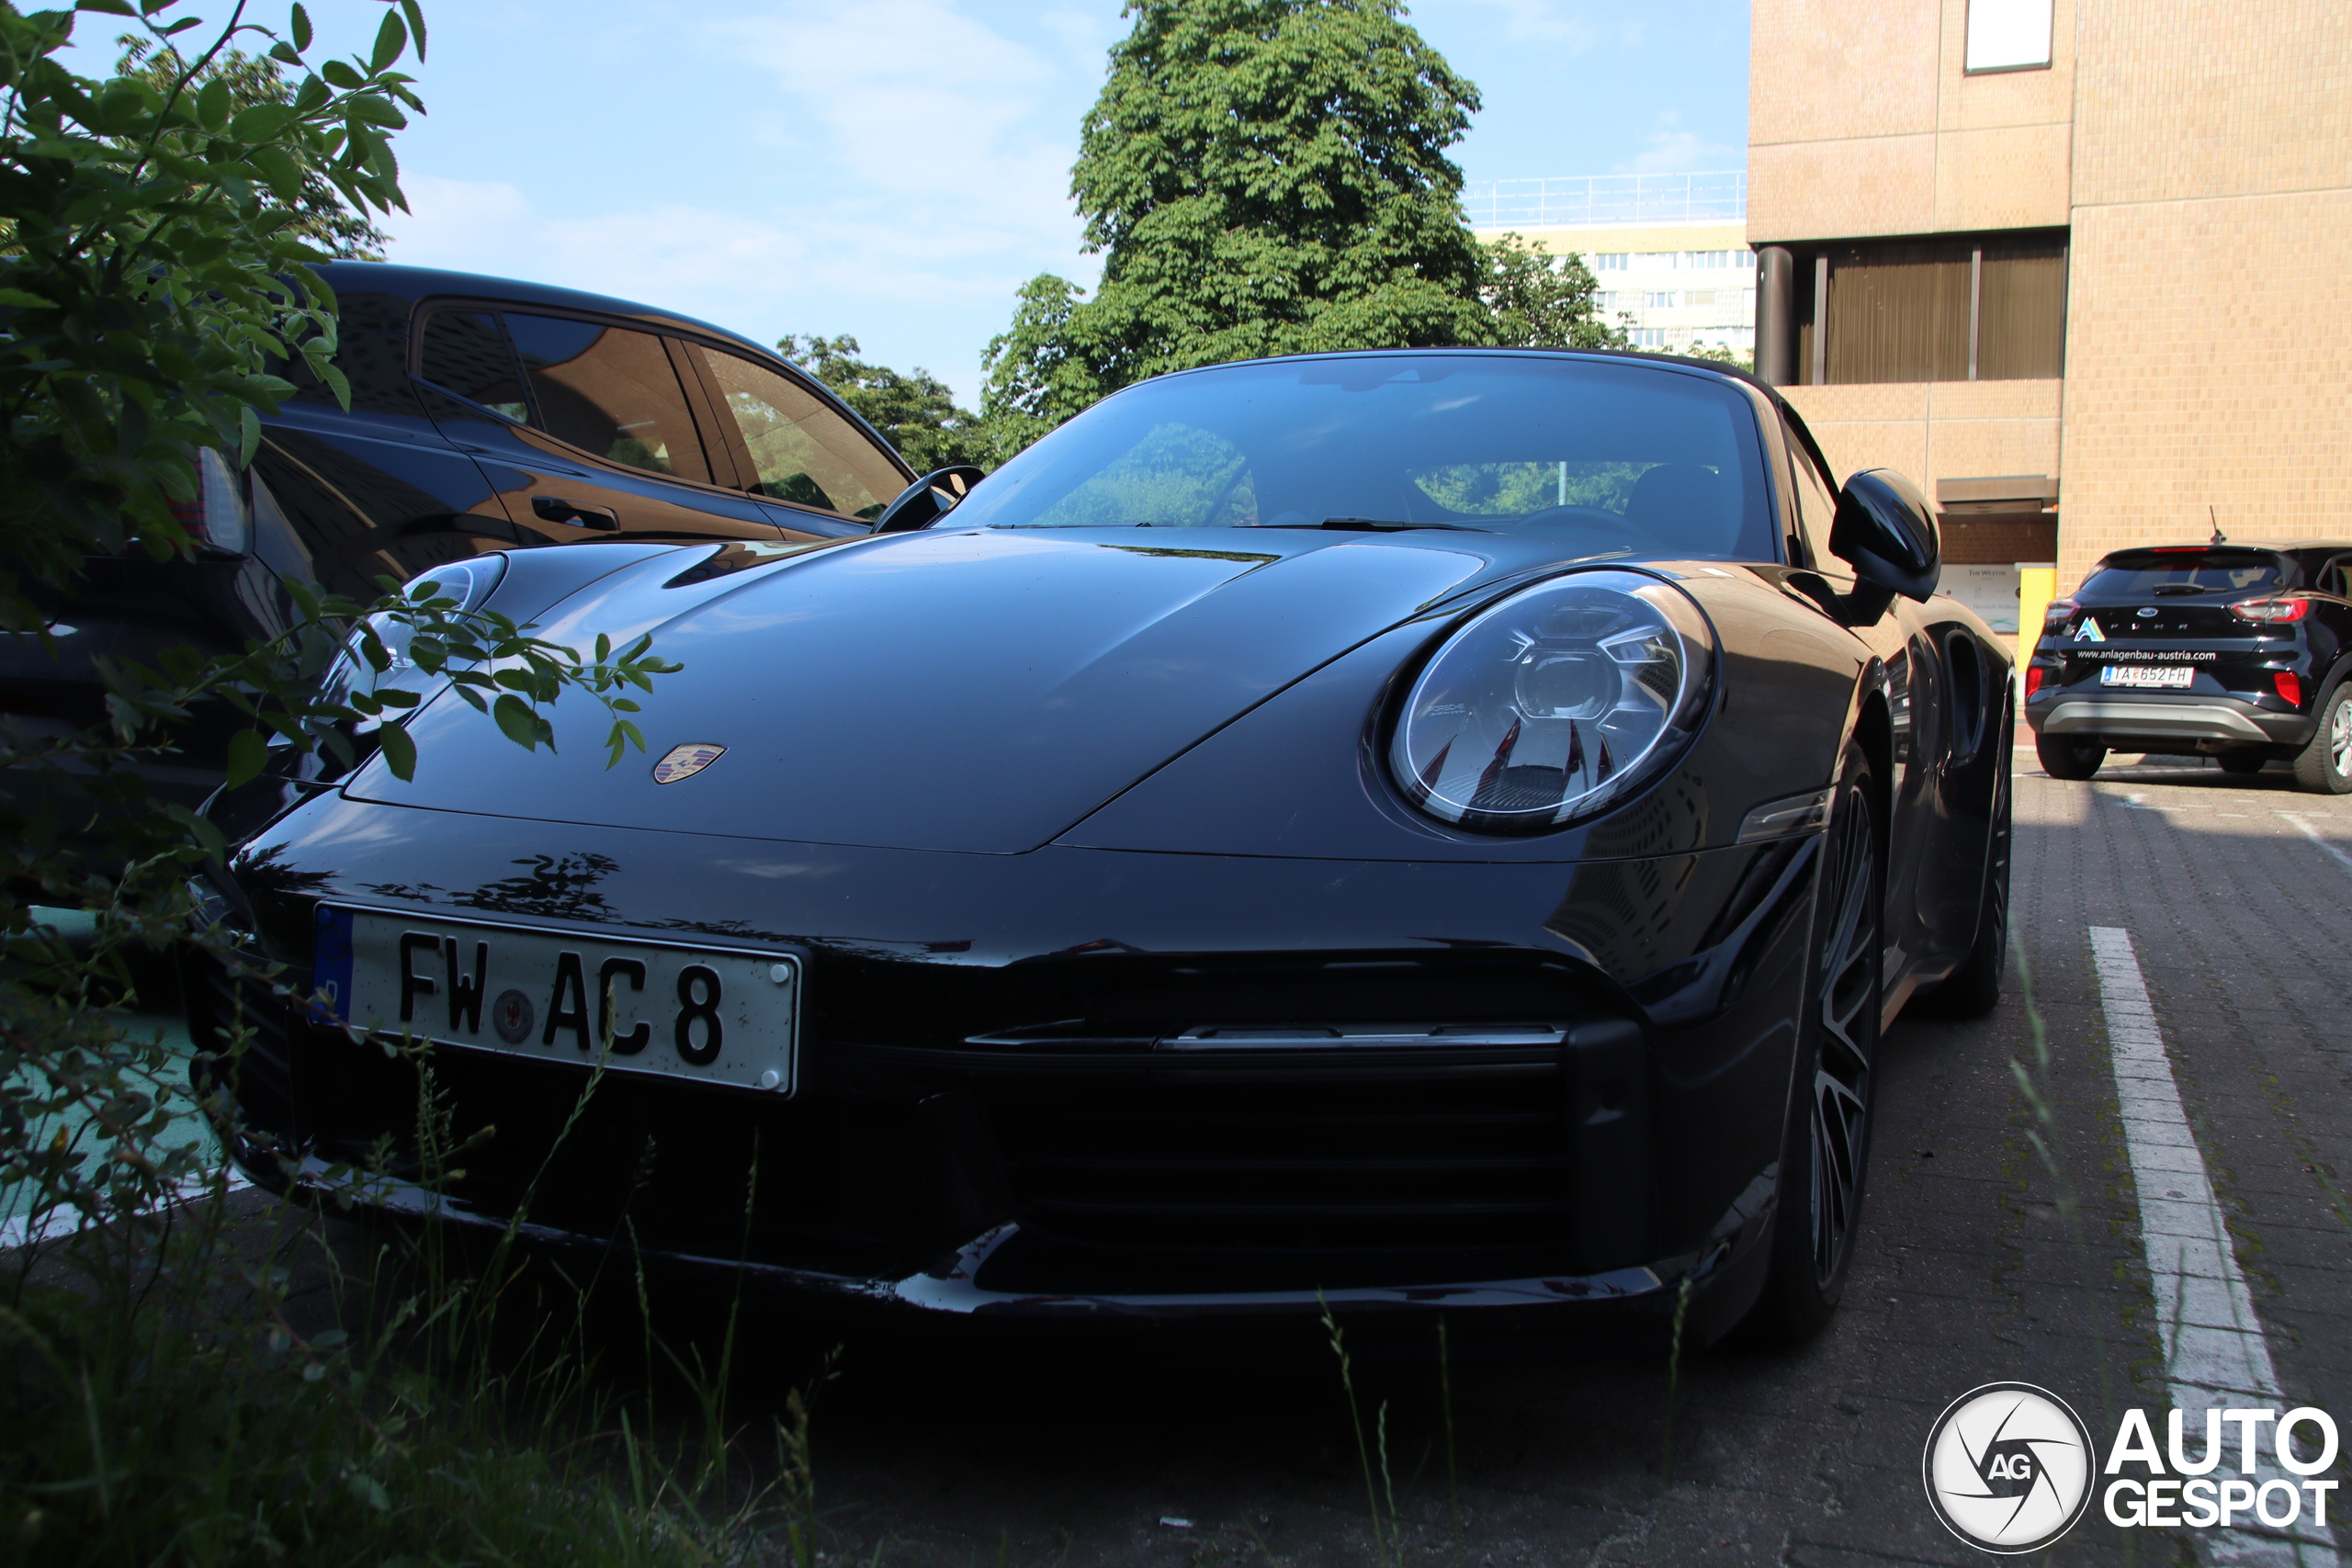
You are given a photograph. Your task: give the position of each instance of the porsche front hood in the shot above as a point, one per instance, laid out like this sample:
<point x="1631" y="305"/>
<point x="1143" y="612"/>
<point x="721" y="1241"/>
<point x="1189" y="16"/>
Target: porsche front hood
<point x="976" y="691"/>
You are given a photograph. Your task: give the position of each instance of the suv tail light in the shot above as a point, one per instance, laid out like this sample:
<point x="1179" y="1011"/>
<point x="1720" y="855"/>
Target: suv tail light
<point x="2290" y="684"/>
<point x="2271" y="611"/>
<point x="217" y="519"/>
<point x="2034" y="673"/>
<point x="2056" y="611"/>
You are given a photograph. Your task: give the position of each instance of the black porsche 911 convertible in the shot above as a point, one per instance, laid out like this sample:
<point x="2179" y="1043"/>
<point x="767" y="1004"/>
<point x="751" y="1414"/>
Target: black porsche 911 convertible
<point x="1431" y="829"/>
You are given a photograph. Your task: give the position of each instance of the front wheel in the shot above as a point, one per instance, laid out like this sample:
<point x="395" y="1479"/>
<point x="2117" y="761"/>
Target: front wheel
<point x="2325" y="767"/>
<point x="2062" y="756"/>
<point x="1824" y="1148"/>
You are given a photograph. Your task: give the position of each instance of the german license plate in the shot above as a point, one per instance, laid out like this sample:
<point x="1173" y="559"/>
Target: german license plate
<point x="724" y="1015"/>
<point x="2162" y="676"/>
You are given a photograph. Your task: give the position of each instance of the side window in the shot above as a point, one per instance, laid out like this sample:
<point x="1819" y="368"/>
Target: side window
<point x="371" y="352"/>
<point x="610" y="392"/>
<point x="2336" y="576"/>
<point x="801" y="450"/>
<point x="466" y="352"/>
<point x="1816" y="504"/>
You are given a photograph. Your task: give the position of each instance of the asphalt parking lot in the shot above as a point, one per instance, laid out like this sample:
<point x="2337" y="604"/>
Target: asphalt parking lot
<point x="1979" y="1263"/>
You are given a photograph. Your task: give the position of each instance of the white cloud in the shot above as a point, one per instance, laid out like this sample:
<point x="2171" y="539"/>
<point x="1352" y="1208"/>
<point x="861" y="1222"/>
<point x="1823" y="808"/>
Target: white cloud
<point x="1084" y="38"/>
<point x="1535" y="21"/>
<point x="902" y="167"/>
<point x="917" y="101"/>
<point x="1673" y="151"/>
<point x="719" y="265"/>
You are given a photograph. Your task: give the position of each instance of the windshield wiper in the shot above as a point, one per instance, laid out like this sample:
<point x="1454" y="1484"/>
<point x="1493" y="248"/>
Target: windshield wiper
<point x="1377" y="525"/>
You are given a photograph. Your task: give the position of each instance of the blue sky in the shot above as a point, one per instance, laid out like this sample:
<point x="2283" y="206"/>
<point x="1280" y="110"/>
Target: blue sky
<point x="895" y="169"/>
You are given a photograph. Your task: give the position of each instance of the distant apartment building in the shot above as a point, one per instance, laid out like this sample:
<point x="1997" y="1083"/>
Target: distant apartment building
<point x="1670" y="251"/>
<point x="2078" y="267"/>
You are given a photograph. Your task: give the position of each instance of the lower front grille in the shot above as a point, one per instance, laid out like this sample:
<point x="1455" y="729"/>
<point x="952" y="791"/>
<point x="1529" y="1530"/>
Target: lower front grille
<point x="1277" y="1173"/>
<point x="660" y="1164"/>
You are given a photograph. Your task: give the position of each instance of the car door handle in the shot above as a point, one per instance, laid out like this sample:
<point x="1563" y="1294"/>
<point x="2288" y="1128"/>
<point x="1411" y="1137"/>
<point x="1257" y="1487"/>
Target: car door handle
<point x="555" y="509"/>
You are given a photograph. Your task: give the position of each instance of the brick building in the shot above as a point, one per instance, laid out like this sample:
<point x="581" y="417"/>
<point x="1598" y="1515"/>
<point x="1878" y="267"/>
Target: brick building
<point x="2082" y="267"/>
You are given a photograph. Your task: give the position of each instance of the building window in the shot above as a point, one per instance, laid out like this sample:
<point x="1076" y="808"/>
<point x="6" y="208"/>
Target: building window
<point x="2007" y="35"/>
<point x="1960" y="309"/>
<point x="1662" y="300"/>
<point x="1700" y="296"/>
<point x="1611" y="262"/>
<point x="1649" y="337"/>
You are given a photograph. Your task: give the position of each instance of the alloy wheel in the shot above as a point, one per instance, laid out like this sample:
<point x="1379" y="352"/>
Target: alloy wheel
<point x="1848" y="1008"/>
<point x="2339" y="736"/>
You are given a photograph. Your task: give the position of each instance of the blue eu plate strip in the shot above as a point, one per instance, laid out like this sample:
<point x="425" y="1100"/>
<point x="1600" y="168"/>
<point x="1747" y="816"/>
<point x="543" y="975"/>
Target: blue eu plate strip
<point x="331" y="967"/>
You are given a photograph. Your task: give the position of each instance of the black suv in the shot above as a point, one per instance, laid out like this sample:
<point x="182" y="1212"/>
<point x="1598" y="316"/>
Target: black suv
<point x="485" y="415"/>
<point x="2236" y="651"/>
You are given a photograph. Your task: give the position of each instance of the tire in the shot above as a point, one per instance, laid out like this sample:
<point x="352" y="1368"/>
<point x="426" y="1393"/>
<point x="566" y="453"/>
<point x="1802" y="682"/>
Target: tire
<point x="1974" y="990"/>
<point x="2324" y="766"/>
<point x="1825" y="1151"/>
<point x="2064" y="758"/>
<point x="2242" y="764"/>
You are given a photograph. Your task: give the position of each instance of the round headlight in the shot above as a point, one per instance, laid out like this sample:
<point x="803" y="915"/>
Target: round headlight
<point x="1556" y="703"/>
<point x="469" y="581"/>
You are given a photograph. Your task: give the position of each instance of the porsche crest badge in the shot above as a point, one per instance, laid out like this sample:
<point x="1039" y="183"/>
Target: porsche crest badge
<point x="686" y="762"/>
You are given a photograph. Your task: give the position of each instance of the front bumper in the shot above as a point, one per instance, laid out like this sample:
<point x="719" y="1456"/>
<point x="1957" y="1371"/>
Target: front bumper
<point x="1005" y="1111"/>
<point x="2167" y="721"/>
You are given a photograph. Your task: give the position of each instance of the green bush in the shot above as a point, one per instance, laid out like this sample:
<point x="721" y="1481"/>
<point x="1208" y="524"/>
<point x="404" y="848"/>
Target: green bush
<point x="158" y="231"/>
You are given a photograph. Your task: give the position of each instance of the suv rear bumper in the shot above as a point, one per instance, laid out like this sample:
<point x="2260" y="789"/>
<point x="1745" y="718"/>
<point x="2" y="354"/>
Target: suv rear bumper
<point x="2170" y="721"/>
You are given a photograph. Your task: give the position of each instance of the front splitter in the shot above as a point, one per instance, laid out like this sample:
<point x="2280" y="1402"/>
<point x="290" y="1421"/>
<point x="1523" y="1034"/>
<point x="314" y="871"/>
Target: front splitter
<point x="1711" y="1285"/>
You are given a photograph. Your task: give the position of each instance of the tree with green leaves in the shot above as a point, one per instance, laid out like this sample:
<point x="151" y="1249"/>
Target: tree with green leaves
<point x="161" y="236"/>
<point x="1262" y="177"/>
<point x="322" y="216"/>
<point x="156" y="263"/>
<point x="916" y="413"/>
<point x="1540" y="300"/>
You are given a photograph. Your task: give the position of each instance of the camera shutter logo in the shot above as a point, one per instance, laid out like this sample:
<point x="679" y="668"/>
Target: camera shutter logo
<point x="2008" y="1467"/>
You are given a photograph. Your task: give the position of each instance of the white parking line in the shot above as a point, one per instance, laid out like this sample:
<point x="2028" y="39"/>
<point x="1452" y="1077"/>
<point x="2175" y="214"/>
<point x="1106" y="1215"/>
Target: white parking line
<point x="2313" y="834"/>
<point x="2215" y="1354"/>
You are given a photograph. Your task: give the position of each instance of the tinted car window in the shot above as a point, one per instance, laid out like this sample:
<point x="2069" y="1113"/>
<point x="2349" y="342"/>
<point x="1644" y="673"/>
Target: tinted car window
<point x="2322" y="570"/>
<point x="2186" y="570"/>
<point x="466" y="351"/>
<point x="801" y="450"/>
<point x="611" y="391"/>
<point x="372" y="350"/>
<point x="1615" y="456"/>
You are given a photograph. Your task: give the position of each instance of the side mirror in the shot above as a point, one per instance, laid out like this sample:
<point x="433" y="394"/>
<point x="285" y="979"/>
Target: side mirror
<point x="928" y="499"/>
<point x="1884" y="531"/>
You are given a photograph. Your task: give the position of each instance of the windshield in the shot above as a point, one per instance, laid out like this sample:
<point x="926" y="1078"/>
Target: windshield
<point x="2184" y="571"/>
<point x="1610" y="457"/>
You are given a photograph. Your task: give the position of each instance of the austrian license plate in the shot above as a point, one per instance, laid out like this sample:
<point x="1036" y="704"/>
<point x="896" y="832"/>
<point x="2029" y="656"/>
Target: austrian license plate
<point x="2161" y="676"/>
<point x="724" y="1015"/>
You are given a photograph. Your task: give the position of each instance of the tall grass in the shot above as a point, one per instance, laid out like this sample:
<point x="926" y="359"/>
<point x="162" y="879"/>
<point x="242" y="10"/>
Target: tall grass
<point x="166" y="1399"/>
